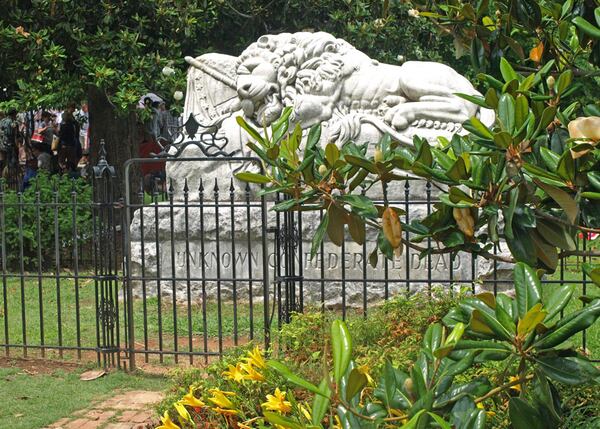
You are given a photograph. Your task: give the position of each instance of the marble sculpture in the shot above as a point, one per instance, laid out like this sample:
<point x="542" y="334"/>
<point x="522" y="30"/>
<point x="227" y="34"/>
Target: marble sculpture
<point x="327" y="80"/>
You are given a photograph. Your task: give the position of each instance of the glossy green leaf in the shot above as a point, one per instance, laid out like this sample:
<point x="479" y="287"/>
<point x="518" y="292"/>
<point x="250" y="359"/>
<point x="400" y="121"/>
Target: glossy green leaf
<point x="508" y="73"/>
<point x="332" y="153"/>
<point x="319" y="234"/>
<point x="589" y="29"/>
<point x="566" y="166"/>
<point x="475" y="99"/>
<point x="506" y="112"/>
<point x="550" y="158"/>
<point x="523" y="416"/>
<point x="486" y="323"/>
<point x="559" y="298"/>
<point x="252" y="177"/>
<point x="367" y="165"/>
<point x="563" y="81"/>
<point x="356" y="382"/>
<point x="568" y="370"/>
<point x="527" y="288"/>
<point x="477" y="127"/>
<point x="521" y="245"/>
<point x="531" y="319"/>
<point x="564" y="200"/>
<point x="592" y="272"/>
<point x="293" y="378"/>
<point x="443" y="424"/>
<point x="321" y="403"/>
<point x="341" y="348"/>
<point x="569" y="326"/>
<point x="251" y="130"/>
<point x="557" y="235"/>
<point x="283" y="421"/>
<point x="356" y="227"/>
<point x="314" y="136"/>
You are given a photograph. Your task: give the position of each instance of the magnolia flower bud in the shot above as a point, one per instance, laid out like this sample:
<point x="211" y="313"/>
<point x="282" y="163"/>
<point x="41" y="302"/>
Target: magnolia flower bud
<point x="414" y="13"/>
<point x="168" y="71"/>
<point x="550" y="82"/>
<point x="178" y="95"/>
<point x="322" y="170"/>
<point x="378" y="155"/>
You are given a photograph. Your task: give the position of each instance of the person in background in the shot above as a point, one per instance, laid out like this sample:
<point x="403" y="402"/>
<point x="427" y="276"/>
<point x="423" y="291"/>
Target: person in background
<point x="9" y="130"/>
<point x="83" y="118"/>
<point x="47" y="130"/>
<point x="151" y="124"/>
<point x="69" y="150"/>
<point x="41" y="161"/>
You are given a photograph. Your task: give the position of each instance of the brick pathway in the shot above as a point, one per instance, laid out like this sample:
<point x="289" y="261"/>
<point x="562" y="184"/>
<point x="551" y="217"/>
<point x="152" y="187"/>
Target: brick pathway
<point x="130" y="410"/>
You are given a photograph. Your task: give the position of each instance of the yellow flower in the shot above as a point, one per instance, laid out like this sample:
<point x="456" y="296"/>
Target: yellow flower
<point x="224" y="411"/>
<point x="251" y="373"/>
<point x="191" y="401"/>
<point x="488" y="413"/>
<point x="183" y="412"/>
<point x="516" y="387"/>
<point x="255" y="358"/>
<point x="277" y="402"/>
<point x="235" y="373"/>
<point x="167" y="423"/>
<point x="364" y="370"/>
<point x="220" y="399"/>
<point x="305" y="412"/>
<point x="338" y="423"/>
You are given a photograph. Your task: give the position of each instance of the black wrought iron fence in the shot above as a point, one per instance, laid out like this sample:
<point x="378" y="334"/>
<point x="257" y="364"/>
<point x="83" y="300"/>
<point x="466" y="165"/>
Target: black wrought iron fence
<point x="182" y="271"/>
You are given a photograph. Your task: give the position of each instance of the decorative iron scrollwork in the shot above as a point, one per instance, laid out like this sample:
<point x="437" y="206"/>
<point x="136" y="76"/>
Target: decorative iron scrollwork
<point x="103" y="166"/>
<point x="194" y="133"/>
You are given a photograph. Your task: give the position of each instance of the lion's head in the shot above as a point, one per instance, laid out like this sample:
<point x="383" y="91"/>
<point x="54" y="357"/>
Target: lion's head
<point x="274" y="70"/>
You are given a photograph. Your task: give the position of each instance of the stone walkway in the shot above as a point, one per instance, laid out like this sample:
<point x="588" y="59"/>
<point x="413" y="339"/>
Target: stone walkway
<point x="129" y="410"/>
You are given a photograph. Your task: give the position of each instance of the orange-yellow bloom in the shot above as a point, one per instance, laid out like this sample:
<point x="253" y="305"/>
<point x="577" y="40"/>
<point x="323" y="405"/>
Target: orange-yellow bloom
<point x="182" y="411"/>
<point x="191" y="401"/>
<point x="235" y="373"/>
<point x="255" y="358"/>
<point x="516" y="387"/>
<point x="489" y="413"/>
<point x="277" y="402"/>
<point x="220" y="399"/>
<point x="167" y="423"/>
<point x="251" y="373"/>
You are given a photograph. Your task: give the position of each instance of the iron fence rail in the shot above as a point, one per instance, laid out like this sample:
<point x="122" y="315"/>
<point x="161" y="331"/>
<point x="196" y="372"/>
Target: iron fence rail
<point x="183" y="272"/>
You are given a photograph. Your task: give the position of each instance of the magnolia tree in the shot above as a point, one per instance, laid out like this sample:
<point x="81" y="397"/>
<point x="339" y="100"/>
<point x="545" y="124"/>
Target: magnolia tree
<point x="526" y="180"/>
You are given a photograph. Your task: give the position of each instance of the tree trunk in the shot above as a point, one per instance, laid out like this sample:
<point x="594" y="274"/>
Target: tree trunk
<point x="121" y="134"/>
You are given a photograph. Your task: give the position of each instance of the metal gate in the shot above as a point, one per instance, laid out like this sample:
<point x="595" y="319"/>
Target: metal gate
<point x="178" y="270"/>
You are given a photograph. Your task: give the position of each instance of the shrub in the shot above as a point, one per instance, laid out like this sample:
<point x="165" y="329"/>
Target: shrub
<point x="53" y="211"/>
<point x="491" y="356"/>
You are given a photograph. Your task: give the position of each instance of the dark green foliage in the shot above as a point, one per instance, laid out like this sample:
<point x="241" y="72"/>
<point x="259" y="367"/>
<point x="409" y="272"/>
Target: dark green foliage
<point x="51" y="51"/>
<point x="53" y="212"/>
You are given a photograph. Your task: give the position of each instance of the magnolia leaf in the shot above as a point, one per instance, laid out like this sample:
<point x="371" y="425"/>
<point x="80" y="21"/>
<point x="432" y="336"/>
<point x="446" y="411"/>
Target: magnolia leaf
<point x="531" y="319"/>
<point x="564" y="200"/>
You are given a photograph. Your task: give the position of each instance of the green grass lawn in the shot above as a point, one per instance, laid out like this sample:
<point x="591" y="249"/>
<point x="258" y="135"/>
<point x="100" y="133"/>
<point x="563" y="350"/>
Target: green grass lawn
<point x="35" y="401"/>
<point x="230" y="322"/>
<point x="215" y="320"/>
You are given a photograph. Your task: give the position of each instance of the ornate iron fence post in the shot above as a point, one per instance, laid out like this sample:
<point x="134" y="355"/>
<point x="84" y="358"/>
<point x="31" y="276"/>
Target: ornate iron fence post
<point x="289" y="240"/>
<point x="106" y="264"/>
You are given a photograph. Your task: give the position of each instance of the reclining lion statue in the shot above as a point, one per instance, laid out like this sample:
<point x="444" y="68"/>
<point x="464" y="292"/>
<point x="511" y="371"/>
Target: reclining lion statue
<point x="327" y="80"/>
